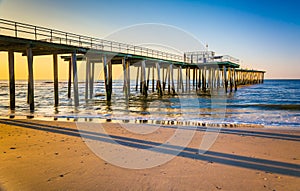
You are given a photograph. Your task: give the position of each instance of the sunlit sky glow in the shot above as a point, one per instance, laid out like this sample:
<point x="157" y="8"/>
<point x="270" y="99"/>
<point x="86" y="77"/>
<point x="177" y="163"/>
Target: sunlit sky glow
<point x="263" y="34"/>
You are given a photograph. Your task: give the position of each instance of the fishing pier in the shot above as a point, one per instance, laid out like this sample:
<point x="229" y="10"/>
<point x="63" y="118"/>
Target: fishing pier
<point x="156" y="72"/>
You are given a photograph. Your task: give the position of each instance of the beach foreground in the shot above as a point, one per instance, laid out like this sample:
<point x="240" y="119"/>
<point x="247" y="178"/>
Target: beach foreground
<point x="51" y="155"/>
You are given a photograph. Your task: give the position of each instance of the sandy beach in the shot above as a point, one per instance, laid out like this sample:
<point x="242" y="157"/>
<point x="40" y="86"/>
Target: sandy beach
<point x="51" y="155"/>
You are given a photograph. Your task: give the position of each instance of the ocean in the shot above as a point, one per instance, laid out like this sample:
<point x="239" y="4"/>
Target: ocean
<point x="274" y="103"/>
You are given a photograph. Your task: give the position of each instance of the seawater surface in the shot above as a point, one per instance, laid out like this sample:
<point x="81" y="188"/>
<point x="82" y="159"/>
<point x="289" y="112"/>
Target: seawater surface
<point x="273" y="103"/>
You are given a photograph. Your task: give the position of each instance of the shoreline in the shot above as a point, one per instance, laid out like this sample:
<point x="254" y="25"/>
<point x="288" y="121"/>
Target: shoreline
<point x="43" y="155"/>
<point x="145" y="120"/>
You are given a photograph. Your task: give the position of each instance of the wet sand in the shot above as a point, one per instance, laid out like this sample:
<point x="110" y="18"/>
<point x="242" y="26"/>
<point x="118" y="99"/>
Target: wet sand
<point x="43" y="155"/>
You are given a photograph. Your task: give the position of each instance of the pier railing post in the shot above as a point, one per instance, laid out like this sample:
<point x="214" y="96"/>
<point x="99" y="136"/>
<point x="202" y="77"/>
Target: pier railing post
<point x="12" y="92"/>
<point x="30" y="79"/>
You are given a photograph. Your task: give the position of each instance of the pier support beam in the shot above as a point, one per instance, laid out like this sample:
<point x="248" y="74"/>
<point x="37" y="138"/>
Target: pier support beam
<point x="128" y="76"/>
<point x="69" y="79"/>
<point x="153" y="80"/>
<point x="30" y="79"/>
<point x="92" y="77"/>
<point x="181" y="79"/>
<point x="235" y="79"/>
<point x="137" y="78"/>
<point x="12" y="92"/>
<point x="125" y="75"/>
<point x="225" y="82"/>
<point x="143" y="79"/>
<point x="108" y="78"/>
<point x="169" y="78"/>
<point x="187" y="75"/>
<point x="75" y="79"/>
<point x="172" y="79"/>
<point x="87" y="78"/>
<point x="55" y="77"/>
<point x="163" y="79"/>
<point x="158" y="82"/>
<point x="178" y="79"/>
<point x="204" y="79"/>
<point x="148" y="77"/>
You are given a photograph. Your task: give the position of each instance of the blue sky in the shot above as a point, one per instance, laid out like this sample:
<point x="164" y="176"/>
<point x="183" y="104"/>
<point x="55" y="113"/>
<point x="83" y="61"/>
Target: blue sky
<point x="263" y="34"/>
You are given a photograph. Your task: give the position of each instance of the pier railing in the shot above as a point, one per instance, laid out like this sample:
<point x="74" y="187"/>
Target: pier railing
<point x="27" y="31"/>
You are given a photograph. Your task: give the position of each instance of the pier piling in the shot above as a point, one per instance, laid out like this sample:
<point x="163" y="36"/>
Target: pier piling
<point x="75" y="79"/>
<point x="30" y="79"/>
<point x="12" y="91"/>
<point x="55" y="76"/>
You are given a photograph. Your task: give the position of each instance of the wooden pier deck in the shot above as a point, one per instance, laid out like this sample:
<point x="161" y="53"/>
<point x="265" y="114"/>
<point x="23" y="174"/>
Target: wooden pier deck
<point x="204" y="71"/>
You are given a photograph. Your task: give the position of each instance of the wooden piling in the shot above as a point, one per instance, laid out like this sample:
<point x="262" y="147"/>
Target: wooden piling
<point x="194" y="74"/>
<point x="218" y="78"/>
<point x="187" y="79"/>
<point x="148" y="78"/>
<point x="230" y="78"/>
<point x="153" y="85"/>
<point x="204" y="79"/>
<point x="199" y="78"/>
<point x="178" y="79"/>
<point x="137" y="78"/>
<point x="87" y="78"/>
<point x="69" y="79"/>
<point x="109" y="90"/>
<point x="196" y="78"/>
<point x="128" y="76"/>
<point x="75" y="79"/>
<point x="181" y="79"/>
<point x="143" y="79"/>
<point x="91" y="78"/>
<point x="163" y="79"/>
<point x="158" y="83"/>
<point x="55" y="76"/>
<point x="12" y="92"/>
<point x="235" y="79"/>
<point x="169" y="79"/>
<point x="125" y="84"/>
<point x="225" y="83"/>
<point x="172" y="79"/>
<point x="30" y="79"/>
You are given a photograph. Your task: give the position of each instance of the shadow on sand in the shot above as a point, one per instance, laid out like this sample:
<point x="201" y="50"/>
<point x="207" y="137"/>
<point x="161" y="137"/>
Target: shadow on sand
<point x="192" y="153"/>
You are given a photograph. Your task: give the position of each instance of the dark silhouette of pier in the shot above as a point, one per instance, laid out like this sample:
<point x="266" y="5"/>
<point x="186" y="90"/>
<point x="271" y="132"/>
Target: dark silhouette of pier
<point x="204" y="71"/>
